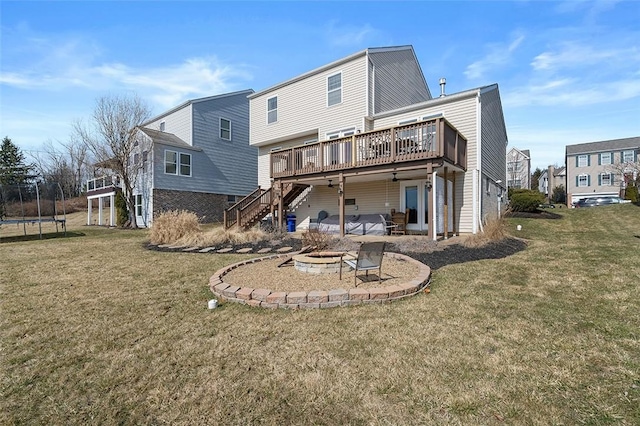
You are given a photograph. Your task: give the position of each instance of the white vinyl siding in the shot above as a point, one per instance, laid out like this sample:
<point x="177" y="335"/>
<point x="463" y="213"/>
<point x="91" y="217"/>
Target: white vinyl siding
<point x="302" y="106"/>
<point x="272" y="110"/>
<point x="178" y="123"/>
<point x="462" y="115"/>
<point x="334" y="89"/>
<point x="225" y="129"/>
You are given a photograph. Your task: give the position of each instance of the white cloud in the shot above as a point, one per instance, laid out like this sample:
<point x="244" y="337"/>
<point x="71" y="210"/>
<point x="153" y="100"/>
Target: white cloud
<point x="61" y="66"/>
<point x="573" y="55"/>
<point x="349" y="35"/>
<point x="498" y="55"/>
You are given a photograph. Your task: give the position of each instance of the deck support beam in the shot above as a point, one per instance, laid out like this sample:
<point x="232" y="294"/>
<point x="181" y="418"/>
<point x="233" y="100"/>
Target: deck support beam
<point x="341" y="203"/>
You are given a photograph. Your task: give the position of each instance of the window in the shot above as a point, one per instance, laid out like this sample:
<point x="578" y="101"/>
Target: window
<point x="334" y="89"/>
<point x="628" y="156"/>
<point x="172" y="167"/>
<point x="136" y="159"/>
<point x="145" y="156"/>
<point x="582" y="180"/>
<point x="272" y="110"/>
<point x="139" y="205"/>
<point x="231" y="198"/>
<point x="605" y="179"/>
<point x="605" y="158"/>
<point x="583" y="160"/>
<point x="171" y="162"/>
<point x="515" y="183"/>
<point x="225" y="129"/>
<point x="162" y="126"/>
<point x="185" y="164"/>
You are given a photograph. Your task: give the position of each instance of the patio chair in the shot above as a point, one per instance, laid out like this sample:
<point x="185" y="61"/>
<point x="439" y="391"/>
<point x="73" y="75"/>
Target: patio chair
<point x="315" y="223"/>
<point x="399" y="220"/>
<point x="369" y="258"/>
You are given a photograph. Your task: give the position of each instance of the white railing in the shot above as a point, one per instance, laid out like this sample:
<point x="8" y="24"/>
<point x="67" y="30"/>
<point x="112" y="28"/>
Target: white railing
<point x="103" y="182"/>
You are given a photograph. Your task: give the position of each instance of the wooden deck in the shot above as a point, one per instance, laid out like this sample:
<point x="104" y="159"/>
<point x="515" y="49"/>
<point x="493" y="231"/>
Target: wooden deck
<point x="433" y="139"/>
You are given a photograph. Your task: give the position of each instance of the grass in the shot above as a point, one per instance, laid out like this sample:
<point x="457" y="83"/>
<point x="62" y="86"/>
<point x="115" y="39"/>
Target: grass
<point x="96" y="329"/>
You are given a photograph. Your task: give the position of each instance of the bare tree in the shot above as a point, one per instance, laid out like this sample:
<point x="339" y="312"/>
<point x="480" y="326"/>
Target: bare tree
<point x="626" y="172"/>
<point x="113" y="138"/>
<point x="65" y="163"/>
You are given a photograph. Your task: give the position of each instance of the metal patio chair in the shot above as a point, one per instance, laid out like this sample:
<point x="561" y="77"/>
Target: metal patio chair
<point x="369" y="258"/>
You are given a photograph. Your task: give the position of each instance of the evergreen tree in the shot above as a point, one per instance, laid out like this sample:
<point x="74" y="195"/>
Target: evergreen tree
<point x="13" y="169"/>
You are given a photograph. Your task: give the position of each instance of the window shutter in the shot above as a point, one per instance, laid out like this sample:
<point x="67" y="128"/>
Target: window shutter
<point x="613" y="178"/>
<point x="588" y="180"/>
<point x="599" y="180"/>
<point x="577" y="181"/>
<point x="588" y="160"/>
<point x="599" y="159"/>
<point x="576" y="161"/>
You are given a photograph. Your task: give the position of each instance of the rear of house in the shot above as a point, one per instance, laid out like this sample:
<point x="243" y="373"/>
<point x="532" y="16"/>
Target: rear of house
<point x="363" y="135"/>
<point x="199" y="158"/>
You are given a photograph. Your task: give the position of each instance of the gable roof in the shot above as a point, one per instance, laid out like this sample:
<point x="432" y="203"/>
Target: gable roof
<point x="524" y="152"/>
<point x="169" y="139"/>
<point x="197" y="100"/>
<point x="332" y="65"/>
<point x="610" y="145"/>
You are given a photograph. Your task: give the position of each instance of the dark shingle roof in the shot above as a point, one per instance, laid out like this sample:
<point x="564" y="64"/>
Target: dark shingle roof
<point x="610" y="145"/>
<point x="165" y="138"/>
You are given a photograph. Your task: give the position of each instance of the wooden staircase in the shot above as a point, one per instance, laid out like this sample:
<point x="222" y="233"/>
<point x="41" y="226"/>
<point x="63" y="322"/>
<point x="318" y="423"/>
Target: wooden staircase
<point x="255" y="206"/>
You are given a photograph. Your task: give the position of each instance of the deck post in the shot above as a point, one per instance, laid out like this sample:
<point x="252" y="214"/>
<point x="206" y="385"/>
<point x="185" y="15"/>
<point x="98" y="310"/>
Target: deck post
<point x="453" y="206"/>
<point x="341" y="203"/>
<point x="89" y="207"/>
<point x="280" y="205"/>
<point x="100" y="211"/>
<point x="431" y="226"/>
<point x="446" y="204"/>
<point x="112" y="210"/>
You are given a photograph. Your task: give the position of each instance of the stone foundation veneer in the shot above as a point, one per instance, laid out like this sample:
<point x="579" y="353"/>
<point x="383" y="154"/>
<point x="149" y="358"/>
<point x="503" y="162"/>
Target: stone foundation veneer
<point x="265" y="298"/>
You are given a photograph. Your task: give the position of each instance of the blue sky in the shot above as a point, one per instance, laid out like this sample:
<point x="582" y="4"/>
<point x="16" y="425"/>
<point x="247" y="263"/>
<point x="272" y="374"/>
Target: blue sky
<point x="569" y="71"/>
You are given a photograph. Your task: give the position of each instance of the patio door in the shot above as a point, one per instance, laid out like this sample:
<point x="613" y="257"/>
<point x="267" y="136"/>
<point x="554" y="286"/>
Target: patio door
<point x="414" y="195"/>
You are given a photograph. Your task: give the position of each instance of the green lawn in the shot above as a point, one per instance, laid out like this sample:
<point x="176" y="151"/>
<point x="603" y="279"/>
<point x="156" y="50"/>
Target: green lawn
<point x="96" y="329"/>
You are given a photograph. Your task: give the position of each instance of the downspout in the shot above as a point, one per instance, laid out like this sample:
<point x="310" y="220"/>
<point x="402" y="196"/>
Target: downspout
<point x="478" y="180"/>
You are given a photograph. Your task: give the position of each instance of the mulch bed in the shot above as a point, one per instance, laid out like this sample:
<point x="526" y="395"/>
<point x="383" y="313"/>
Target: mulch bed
<point x="450" y="254"/>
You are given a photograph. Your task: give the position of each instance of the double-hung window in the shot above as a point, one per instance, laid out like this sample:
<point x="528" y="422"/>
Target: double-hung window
<point x="583" y="160"/>
<point x="582" y="180"/>
<point x="628" y="156"/>
<point x="177" y="163"/>
<point x="334" y="89"/>
<point x="225" y="129"/>
<point x="605" y="158"/>
<point x="139" y="205"/>
<point x="272" y="110"/>
<point x="606" y="179"/>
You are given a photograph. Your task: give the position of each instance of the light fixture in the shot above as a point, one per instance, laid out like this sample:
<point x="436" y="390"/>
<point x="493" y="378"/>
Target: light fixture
<point x="395" y="179"/>
<point x="330" y="184"/>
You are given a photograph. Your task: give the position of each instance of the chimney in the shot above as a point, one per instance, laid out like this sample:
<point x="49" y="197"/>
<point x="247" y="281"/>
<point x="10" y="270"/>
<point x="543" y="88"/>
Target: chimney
<point x="443" y="82"/>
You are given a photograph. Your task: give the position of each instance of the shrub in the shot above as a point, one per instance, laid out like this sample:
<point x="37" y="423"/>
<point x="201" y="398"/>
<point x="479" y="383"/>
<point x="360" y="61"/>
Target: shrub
<point x="122" y="213"/>
<point x="525" y="200"/>
<point x="631" y="193"/>
<point x="315" y="238"/>
<point x="493" y="230"/>
<point x="171" y="226"/>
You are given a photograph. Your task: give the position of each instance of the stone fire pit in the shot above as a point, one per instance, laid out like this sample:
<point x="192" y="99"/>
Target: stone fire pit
<point x="324" y="262"/>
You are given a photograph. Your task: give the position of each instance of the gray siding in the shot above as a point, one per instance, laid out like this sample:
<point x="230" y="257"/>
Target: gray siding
<point x="218" y="166"/>
<point x="493" y="136"/>
<point x="397" y="80"/>
<point x="232" y="166"/>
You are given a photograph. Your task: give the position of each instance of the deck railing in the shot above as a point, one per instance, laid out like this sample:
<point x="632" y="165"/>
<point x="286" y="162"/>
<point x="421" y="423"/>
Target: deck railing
<point x="234" y="214"/>
<point x="102" y="182"/>
<point x="431" y="139"/>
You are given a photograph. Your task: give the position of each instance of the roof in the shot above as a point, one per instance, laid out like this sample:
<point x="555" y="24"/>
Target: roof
<point x="193" y="101"/>
<point x="164" y="138"/>
<point x="331" y="65"/>
<point x="524" y="152"/>
<point x="610" y="145"/>
<point x="438" y="101"/>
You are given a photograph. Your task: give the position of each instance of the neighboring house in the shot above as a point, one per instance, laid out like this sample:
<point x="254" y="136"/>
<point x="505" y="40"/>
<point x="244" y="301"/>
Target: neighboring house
<point x="363" y="136"/>
<point x="551" y="179"/>
<point x="601" y="168"/>
<point x="519" y="168"/>
<point x="195" y="157"/>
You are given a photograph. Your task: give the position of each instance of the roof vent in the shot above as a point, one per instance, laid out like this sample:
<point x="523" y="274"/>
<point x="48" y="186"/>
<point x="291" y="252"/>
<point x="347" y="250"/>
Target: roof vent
<point x="443" y="82"/>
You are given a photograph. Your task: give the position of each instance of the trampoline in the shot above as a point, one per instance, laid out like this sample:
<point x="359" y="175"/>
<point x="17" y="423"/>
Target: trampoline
<point x="32" y="203"/>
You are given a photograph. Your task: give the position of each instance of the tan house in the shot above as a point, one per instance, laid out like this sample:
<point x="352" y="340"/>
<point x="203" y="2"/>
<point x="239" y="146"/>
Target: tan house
<point x="362" y="136"/>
